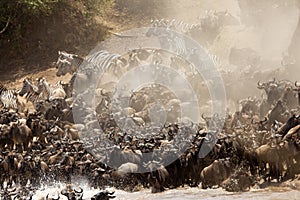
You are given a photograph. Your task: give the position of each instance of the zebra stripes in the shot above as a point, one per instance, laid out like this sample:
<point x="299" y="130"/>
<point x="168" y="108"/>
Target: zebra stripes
<point x="103" y="60"/>
<point x="8" y="97"/>
<point x="168" y="38"/>
<point x="68" y="63"/>
<point x="178" y="46"/>
<point x="215" y="59"/>
<point x="51" y="93"/>
<point x="33" y="94"/>
<point x="100" y="61"/>
<point x="175" y="25"/>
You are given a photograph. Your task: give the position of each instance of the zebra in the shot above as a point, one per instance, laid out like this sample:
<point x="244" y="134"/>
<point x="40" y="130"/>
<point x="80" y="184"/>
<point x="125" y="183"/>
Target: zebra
<point x="104" y="61"/>
<point x="175" y="25"/>
<point x="8" y="97"/>
<point x="51" y="93"/>
<point x="67" y="63"/>
<point x="33" y="94"/>
<point x="100" y="61"/>
<point x="178" y="46"/>
<point x="168" y="39"/>
<point x="215" y="59"/>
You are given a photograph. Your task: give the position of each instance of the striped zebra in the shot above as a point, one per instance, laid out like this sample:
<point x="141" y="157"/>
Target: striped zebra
<point x="178" y="46"/>
<point x="203" y="60"/>
<point x="31" y="92"/>
<point x="8" y="97"/>
<point x="51" y="93"/>
<point x="215" y="59"/>
<point x="67" y="63"/>
<point x="168" y="38"/>
<point x="100" y="61"/>
<point x="175" y="25"/>
<point x="104" y="61"/>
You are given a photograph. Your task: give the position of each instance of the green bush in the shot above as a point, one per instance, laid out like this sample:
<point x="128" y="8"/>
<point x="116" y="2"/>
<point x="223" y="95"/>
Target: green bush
<point x="15" y="13"/>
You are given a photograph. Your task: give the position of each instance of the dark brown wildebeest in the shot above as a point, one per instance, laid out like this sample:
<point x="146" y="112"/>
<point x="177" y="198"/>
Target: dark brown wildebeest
<point x="216" y="173"/>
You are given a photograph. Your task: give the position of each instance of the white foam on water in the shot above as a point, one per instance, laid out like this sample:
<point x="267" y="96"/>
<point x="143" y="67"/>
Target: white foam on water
<point x="53" y="189"/>
<point x="185" y="193"/>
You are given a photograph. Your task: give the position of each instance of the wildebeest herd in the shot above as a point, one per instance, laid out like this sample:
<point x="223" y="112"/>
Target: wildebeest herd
<point x="40" y="140"/>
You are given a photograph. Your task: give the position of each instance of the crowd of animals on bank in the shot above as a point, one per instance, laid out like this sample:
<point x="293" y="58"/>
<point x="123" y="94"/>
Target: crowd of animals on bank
<point x="40" y="141"/>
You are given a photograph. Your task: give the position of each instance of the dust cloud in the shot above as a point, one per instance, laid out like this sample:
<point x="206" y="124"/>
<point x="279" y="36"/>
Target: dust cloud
<point x="267" y="29"/>
<point x="261" y="44"/>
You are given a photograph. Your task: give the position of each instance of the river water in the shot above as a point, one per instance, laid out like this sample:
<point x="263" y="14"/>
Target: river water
<point x="271" y="193"/>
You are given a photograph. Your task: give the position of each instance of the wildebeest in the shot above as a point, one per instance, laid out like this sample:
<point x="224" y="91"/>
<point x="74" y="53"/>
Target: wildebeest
<point x="298" y="90"/>
<point x="290" y="123"/>
<point x="21" y="134"/>
<point x="216" y="173"/>
<point x="126" y="168"/>
<point x="272" y="90"/>
<point x="103" y="195"/>
<point x="276" y="157"/>
<point x="158" y="176"/>
<point x="119" y="156"/>
<point x="279" y="113"/>
<point x="72" y="193"/>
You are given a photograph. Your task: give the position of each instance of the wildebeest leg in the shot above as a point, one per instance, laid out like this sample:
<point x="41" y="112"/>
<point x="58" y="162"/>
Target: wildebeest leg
<point x="156" y="186"/>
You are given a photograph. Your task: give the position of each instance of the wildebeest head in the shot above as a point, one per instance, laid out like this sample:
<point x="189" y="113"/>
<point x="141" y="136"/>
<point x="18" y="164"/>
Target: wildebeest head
<point x="72" y="193"/>
<point x="266" y="84"/>
<point x="103" y="195"/>
<point x="298" y="90"/>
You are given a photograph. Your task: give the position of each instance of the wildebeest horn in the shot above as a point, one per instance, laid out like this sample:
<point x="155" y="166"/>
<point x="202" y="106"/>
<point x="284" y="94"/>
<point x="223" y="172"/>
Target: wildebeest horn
<point x="203" y="117"/>
<point x="111" y="193"/>
<point x="259" y="84"/>
<point x="64" y="192"/>
<point x="12" y="190"/>
<point x="80" y="191"/>
<point x="58" y="197"/>
<point x="156" y="162"/>
<point x="265" y="119"/>
<point x="145" y="164"/>
<point x="282" y="63"/>
<point x="47" y="197"/>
